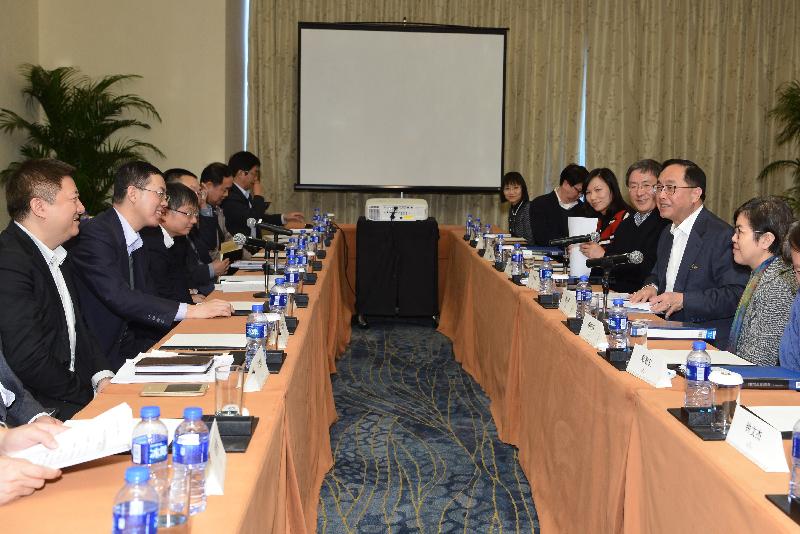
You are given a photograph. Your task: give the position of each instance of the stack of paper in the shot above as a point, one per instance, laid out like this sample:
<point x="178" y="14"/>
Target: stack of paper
<point x="127" y="373"/>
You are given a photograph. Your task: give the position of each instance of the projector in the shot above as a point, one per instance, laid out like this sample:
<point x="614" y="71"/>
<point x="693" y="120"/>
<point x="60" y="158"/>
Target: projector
<point x="397" y="209"/>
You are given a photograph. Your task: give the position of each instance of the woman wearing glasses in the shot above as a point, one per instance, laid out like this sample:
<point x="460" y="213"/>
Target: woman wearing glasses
<point x="638" y="231"/>
<point x="760" y="226"/>
<point x="515" y="192"/>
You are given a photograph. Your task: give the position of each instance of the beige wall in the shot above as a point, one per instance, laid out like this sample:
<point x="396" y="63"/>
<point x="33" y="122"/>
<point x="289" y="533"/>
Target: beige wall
<point x="18" y="45"/>
<point x="187" y="52"/>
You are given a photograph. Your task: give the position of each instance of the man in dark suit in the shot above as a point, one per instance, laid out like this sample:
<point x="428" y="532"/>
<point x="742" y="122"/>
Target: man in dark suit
<point x="549" y="213"/>
<point x="246" y="199"/>
<point x="639" y="231"/>
<point x="44" y="336"/>
<point x="216" y="181"/>
<point x="17" y="405"/>
<point x="113" y="282"/>
<point x="695" y="278"/>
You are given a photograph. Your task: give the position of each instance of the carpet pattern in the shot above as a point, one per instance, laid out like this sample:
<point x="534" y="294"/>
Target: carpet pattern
<point x="415" y="447"/>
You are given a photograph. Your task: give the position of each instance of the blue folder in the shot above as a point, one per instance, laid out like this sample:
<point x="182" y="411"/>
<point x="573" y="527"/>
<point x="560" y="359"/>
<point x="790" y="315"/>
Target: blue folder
<point x="767" y="376"/>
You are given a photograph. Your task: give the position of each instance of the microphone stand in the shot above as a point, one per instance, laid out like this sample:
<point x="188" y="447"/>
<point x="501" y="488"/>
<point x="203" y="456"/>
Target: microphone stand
<point x="264" y="294"/>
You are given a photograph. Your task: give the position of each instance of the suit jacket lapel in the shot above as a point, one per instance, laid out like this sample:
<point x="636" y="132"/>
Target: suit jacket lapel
<point x="693" y="246"/>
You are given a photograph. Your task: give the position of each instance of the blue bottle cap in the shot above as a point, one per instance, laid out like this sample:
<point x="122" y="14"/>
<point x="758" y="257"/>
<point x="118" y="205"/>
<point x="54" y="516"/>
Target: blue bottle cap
<point x="138" y="474"/>
<point x="192" y="413"/>
<point x="280" y="280"/>
<point x="546" y="258"/>
<point x="699" y="345"/>
<point x="258" y="308"/>
<point x="149" y="412"/>
<point x="618" y="302"/>
<point x="516" y="246"/>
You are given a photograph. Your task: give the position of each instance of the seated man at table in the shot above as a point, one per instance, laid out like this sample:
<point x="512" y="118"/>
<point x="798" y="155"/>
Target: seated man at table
<point x="790" y="343"/>
<point x="695" y="278"/>
<point x="760" y="228"/>
<point x="114" y="285"/>
<point x="45" y="339"/>
<point x="639" y="231"/>
<point x="549" y="213"/>
<point x="246" y="198"/>
<point x="216" y="181"/>
<point x="19" y="477"/>
<point x="202" y="270"/>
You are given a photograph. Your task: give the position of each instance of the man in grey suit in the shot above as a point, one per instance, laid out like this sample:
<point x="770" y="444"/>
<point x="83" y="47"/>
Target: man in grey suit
<point x="695" y="278"/>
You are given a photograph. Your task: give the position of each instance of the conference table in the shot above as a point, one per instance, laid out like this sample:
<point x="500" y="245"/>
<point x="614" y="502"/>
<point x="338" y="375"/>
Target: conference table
<point x="597" y="445"/>
<point x="272" y="487"/>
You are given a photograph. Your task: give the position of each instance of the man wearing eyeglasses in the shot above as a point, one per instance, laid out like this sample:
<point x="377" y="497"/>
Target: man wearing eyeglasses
<point x="695" y="278"/>
<point x="549" y="212"/>
<point x="115" y="289"/>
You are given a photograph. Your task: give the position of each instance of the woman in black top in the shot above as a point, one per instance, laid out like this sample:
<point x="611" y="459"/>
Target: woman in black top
<point x="515" y="192"/>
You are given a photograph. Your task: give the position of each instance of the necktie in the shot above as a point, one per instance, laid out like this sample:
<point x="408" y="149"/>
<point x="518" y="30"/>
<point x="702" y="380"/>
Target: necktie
<point x="130" y="269"/>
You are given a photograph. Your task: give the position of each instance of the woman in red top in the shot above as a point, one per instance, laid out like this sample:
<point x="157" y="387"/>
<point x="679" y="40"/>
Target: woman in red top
<point x="604" y="201"/>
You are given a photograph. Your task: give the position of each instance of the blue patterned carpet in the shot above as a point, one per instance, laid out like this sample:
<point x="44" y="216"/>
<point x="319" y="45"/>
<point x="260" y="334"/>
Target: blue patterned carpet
<point x="415" y="447"/>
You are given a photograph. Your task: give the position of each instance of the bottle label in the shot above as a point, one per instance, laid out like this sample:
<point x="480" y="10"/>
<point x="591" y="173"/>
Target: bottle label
<point x="291" y="253"/>
<point x="255" y="330"/>
<point x="136" y="519"/>
<point x="144" y="452"/>
<point x="618" y="323"/>
<point x="190" y="449"/>
<point x="796" y="446"/>
<point x="293" y="277"/>
<point x="583" y="295"/>
<point x="516" y="257"/>
<point x="545" y="273"/>
<point x="278" y="300"/>
<point x="697" y="372"/>
<point x="315" y="239"/>
<point x="302" y="260"/>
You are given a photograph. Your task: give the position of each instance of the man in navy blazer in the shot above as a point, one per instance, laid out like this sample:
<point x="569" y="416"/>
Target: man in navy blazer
<point x="695" y="278"/>
<point x="44" y="336"/>
<point x="112" y="266"/>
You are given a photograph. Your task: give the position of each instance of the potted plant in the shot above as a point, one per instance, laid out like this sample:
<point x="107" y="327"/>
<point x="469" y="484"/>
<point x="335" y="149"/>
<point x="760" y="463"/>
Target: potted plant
<point x="81" y="122"/>
<point x="787" y="113"/>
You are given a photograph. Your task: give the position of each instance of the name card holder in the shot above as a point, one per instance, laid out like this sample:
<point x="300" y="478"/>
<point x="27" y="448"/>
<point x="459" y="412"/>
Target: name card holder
<point x="649" y="366"/>
<point x="758" y="441"/>
<point x="567" y="304"/>
<point x="593" y="332"/>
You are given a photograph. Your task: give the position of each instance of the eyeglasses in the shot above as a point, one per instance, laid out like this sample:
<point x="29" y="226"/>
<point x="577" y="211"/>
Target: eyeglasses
<point x="644" y="187"/>
<point x="739" y="233"/>
<point x="190" y="214"/>
<point x="670" y="189"/>
<point x="162" y="195"/>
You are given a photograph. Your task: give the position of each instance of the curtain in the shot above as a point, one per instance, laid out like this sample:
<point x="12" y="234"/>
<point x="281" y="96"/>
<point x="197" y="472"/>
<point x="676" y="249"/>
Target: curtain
<point x="544" y="69"/>
<point x="691" y="79"/>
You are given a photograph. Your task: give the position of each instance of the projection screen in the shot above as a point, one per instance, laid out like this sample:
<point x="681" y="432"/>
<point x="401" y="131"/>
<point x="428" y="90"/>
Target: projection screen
<point x="414" y="108"/>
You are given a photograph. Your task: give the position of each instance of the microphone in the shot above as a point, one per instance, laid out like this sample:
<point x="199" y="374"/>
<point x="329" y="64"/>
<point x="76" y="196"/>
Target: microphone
<point x="280" y="230"/>
<point x="564" y="241"/>
<point x="242" y="240"/>
<point x="634" y="257"/>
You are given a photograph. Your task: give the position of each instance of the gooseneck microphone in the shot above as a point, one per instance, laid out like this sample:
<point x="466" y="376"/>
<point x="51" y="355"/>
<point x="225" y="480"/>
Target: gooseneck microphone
<point x="574" y="240"/>
<point x="242" y="240"/>
<point x="280" y="230"/>
<point x="634" y="257"/>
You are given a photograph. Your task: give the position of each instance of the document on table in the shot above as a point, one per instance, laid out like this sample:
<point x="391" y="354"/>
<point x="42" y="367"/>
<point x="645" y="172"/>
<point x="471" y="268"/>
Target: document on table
<point x="718" y="357"/>
<point x="233" y="284"/>
<point x="781" y="417"/>
<point x="248" y="265"/>
<point x="108" y="433"/>
<point x="577" y="261"/>
<point x="245" y="305"/>
<point x="127" y="373"/>
<point x="210" y="341"/>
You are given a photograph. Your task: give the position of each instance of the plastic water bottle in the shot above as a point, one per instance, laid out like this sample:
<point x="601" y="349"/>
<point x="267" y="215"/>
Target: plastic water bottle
<point x="468" y="225"/>
<point x="278" y="297"/>
<point x="546" y="276"/>
<point x="794" y="483"/>
<point x="136" y="504"/>
<point x="149" y="447"/>
<point x="583" y="297"/>
<point x="516" y="261"/>
<point x="189" y="457"/>
<point x="698" y="387"/>
<point x="618" y="325"/>
<point x="498" y="249"/>
<point x="476" y="229"/>
<point x="291" y="273"/>
<point x="256" y="332"/>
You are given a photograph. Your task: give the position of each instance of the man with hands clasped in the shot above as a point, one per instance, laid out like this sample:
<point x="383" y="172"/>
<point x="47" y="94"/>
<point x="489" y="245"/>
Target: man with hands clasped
<point x="695" y="278"/>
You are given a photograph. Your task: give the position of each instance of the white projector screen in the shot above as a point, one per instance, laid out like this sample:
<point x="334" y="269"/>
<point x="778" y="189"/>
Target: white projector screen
<point x="415" y="108"/>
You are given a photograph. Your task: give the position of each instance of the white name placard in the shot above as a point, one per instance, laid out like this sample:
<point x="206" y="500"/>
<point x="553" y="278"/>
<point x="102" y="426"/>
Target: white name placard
<point x="758" y="441"/>
<point x="217" y="462"/>
<point x="567" y="304"/>
<point x="258" y="373"/>
<point x="650" y="367"/>
<point x="592" y="331"/>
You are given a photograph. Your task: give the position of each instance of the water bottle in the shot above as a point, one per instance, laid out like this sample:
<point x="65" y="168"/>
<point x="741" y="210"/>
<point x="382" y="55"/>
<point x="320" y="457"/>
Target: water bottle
<point x="292" y="273"/>
<point x="516" y="261"/>
<point x="319" y="237"/>
<point x="698" y="387"/>
<point x="546" y="277"/>
<point x="498" y="249"/>
<point x="278" y="297"/>
<point x="468" y="232"/>
<point x="794" y="483"/>
<point x="300" y="252"/>
<point x="136" y="504"/>
<point x="149" y="447"/>
<point x="256" y="332"/>
<point x="583" y="297"/>
<point x="317" y="215"/>
<point x="189" y="457"/>
<point x="476" y="229"/>
<point x="618" y="325"/>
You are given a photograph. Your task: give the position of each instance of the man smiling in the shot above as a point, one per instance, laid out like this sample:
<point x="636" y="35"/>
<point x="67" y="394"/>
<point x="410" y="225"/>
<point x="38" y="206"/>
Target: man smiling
<point x="115" y="288"/>
<point x="695" y="278"/>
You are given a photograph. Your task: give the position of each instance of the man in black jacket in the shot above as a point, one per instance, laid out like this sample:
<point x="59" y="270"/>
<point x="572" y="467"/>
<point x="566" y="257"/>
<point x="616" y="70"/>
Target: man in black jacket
<point x="246" y="198"/>
<point x="44" y="336"/>
<point x="549" y="213"/>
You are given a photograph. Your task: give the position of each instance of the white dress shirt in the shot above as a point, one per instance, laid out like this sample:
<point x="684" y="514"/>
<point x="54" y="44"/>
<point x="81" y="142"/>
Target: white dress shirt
<point x="680" y="236"/>
<point x="562" y="204"/>
<point x="7" y="395"/>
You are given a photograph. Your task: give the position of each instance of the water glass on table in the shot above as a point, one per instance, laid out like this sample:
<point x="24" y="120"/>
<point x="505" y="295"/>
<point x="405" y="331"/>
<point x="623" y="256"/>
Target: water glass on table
<point x="229" y="382"/>
<point x="637" y="332"/>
